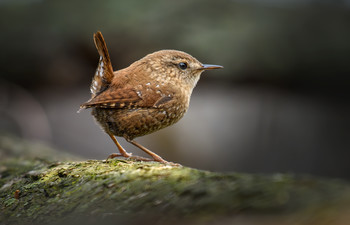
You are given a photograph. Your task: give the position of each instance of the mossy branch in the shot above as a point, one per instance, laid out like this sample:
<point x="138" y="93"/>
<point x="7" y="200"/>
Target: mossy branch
<point x="40" y="190"/>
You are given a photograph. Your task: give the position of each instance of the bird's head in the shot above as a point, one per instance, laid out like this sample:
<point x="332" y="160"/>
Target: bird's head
<point x="180" y="65"/>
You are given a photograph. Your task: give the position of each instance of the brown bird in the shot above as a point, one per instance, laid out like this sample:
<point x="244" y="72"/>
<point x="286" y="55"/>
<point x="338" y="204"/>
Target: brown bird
<point x="152" y="93"/>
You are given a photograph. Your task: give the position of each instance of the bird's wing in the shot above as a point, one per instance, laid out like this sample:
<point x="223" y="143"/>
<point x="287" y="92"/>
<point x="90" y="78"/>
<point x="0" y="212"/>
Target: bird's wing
<point x="128" y="97"/>
<point x="114" y="98"/>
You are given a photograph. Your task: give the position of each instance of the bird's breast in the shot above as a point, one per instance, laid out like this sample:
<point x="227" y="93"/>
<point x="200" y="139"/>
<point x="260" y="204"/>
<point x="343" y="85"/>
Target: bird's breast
<point x="131" y="123"/>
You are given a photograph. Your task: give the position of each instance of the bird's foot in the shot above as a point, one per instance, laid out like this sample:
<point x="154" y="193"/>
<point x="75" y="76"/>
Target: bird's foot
<point x="172" y="164"/>
<point x="140" y="158"/>
<point x="128" y="156"/>
<point x="159" y="159"/>
<point x="114" y="155"/>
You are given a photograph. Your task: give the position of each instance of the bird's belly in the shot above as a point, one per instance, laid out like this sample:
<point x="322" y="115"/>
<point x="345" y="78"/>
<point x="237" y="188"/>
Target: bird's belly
<point x="133" y="123"/>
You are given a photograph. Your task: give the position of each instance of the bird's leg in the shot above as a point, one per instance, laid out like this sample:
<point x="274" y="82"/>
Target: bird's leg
<point x="123" y="153"/>
<point x="149" y="152"/>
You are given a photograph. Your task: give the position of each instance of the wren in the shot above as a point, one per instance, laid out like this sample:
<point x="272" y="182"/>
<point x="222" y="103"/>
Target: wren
<point x="152" y="93"/>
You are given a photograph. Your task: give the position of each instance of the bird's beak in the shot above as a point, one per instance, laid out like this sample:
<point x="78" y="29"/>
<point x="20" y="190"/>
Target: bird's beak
<point x="210" y="67"/>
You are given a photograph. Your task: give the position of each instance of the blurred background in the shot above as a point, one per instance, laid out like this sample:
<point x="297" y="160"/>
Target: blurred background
<point x="279" y="105"/>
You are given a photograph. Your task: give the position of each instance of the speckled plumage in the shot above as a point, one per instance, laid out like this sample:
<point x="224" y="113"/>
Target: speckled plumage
<point x="152" y="93"/>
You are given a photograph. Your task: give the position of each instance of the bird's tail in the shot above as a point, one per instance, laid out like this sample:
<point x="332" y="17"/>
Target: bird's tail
<point x="104" y="72"/>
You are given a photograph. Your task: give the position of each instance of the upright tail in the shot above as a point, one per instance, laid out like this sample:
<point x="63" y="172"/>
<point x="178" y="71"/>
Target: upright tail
<point x="104" y="72"/>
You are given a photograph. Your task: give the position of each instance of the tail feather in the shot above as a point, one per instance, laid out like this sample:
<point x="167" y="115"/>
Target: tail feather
<point x="104" y="72"/>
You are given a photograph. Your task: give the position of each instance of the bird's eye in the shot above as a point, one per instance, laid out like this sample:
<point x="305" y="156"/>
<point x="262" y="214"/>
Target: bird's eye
<point x="182" y="65"/>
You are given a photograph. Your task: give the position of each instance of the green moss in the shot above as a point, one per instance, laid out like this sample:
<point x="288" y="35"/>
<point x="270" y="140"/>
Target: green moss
<point x="125" y="187"/>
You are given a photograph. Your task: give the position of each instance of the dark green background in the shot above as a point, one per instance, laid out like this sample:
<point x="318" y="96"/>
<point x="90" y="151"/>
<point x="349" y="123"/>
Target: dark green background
<point x="280" y="103"/>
